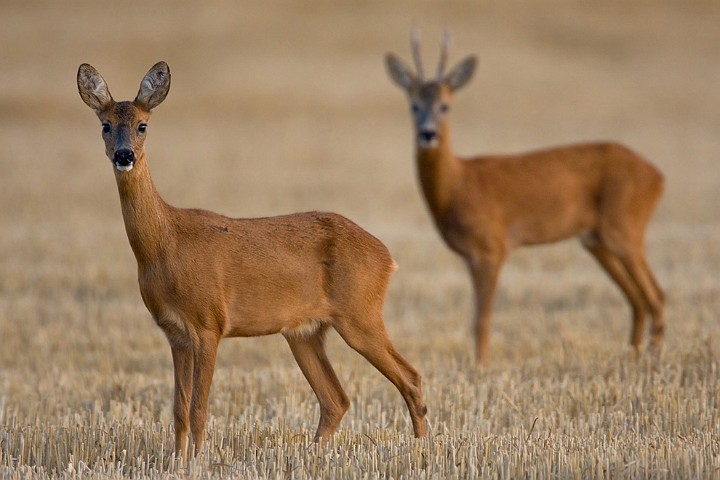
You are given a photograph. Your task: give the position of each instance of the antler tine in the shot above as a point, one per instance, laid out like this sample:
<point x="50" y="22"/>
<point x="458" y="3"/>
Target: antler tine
<point x="443" y="54"/>
<point x="415" y="44"/>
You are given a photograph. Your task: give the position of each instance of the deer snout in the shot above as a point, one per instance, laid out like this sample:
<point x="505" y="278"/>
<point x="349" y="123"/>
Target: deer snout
<point x="427" y="137"/>
<point x="124" y="159"/>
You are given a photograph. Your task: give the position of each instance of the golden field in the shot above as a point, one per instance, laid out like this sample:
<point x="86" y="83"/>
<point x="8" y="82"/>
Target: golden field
<point x="285" y="106"/>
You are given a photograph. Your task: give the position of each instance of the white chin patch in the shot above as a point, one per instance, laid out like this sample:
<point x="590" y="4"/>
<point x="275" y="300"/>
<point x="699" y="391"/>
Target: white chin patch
<point x="124" y="168"/>
<point x="428" y="144"/>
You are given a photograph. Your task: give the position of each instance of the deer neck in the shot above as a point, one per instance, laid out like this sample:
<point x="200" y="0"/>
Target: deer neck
<point x="438" y="171"/>
<point x="144" y="212"/>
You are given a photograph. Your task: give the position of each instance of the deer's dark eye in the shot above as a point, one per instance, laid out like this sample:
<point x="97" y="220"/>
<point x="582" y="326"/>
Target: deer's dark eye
<point x="415" y="108"/>
<point x="106" y="127"/>
<point x="444" y="108"/>
<point x="142" y="127"/>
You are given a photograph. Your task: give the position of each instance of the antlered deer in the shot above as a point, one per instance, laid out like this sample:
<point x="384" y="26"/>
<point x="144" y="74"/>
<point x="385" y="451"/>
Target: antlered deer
<point x="487" y="205"/>
<point x="204" y="276"/>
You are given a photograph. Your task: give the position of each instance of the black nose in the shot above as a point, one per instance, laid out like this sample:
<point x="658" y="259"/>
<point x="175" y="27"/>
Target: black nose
<point x="427" y="136"/>
<point x="124" y="157"/>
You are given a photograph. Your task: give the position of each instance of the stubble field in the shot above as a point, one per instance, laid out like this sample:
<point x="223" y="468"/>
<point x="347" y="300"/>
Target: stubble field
<point x="285" y="106"/>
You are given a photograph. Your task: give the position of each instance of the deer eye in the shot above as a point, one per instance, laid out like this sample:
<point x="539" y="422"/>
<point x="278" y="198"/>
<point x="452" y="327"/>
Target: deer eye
<point x="106" y="127"/>
<point x="444" y="108"/>
<point x="415" y="108"/>
<point x="142" y="127"/>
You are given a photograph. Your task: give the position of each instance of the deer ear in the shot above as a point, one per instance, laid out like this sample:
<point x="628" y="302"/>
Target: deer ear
<point x="461" y="74"/>
<point x="154" y="87"/>
<point x="400" y="73"/>
<point x="93" y="89"/>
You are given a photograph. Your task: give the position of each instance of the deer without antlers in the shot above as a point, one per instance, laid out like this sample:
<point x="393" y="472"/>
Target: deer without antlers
<point x="204" y="276"/>
<point x="485" y="206"/>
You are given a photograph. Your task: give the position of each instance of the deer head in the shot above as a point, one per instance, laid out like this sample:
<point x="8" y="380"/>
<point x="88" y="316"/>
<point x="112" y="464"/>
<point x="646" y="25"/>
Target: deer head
<point x="430" y="99"/>
<point x="124" y="123"/>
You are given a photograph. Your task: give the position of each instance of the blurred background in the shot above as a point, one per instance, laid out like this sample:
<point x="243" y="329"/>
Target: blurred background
<point x="282" y="106"/>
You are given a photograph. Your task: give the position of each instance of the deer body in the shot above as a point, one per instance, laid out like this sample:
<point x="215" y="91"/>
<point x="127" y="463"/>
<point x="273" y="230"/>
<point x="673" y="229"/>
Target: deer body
<point x="299" y="255"/>
<point x="483" y="207"/>
<point x="204" y="276"/>
<point x="509" y="201"/>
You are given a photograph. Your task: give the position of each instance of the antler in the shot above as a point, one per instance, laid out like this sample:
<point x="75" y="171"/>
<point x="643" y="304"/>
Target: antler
<point x="415" y="44"/>
<point x="443" y="54"/>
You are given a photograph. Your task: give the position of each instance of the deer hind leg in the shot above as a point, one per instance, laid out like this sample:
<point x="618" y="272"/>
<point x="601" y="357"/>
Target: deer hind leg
<point x="630" y="271"/>
<point x="617" y="272"/>
<point x="370" y="339"/>
<point x="638" y="269"/>
<point x="657" y="306"/>
<point x="309" y="353"/>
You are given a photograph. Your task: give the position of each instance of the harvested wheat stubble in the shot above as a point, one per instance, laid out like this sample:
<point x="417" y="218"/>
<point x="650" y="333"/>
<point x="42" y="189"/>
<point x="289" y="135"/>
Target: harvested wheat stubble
<point x="297" y="122"/>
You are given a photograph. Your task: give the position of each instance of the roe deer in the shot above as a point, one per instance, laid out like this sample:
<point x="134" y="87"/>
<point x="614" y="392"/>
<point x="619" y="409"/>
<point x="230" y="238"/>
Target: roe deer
<point x="487" y="205"/>
<point x="204" y="276"/>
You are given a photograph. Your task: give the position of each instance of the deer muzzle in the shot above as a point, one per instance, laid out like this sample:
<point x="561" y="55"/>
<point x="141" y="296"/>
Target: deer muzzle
<point x="427" y="138"/>
<point x="124" y="159"/>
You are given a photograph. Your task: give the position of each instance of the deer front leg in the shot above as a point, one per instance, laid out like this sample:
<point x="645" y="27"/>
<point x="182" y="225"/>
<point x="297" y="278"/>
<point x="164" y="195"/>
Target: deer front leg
<point x="204" y="355"/>
<point x="484" y="270"/>
<point x="183" y="366"/>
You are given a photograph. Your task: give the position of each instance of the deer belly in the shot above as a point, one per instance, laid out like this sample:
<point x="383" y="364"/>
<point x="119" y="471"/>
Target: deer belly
<point x="293" y="324"/>
<point x="292" y="307"/>
<point x="547" y="228"/>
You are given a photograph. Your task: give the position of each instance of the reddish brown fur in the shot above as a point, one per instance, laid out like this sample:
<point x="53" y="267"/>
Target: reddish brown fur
<point x="204" y="276"/>
<point x="485" y="206"/>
